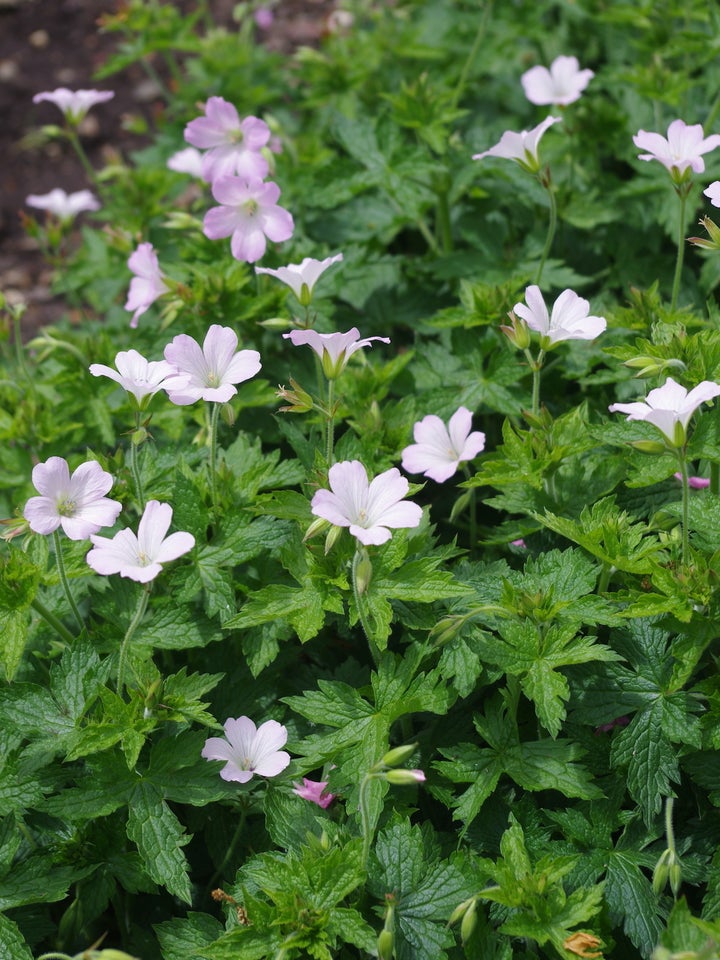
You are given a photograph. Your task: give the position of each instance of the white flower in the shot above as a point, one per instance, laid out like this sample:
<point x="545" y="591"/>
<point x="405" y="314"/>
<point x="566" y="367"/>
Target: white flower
<point x="522" y="147"/>
<point x="681" y="151"/>
<point x="334" y="349"/>
<point x="569" y="319"/>
<point x="439" y="449"/>
<point x="74" y="103"/>
<point x="249" y="750"/>
<point x="302" y="277"/>
<point x="367" y="508"/>
<point x="65" y="206"/>
<point x="713" y="192"/>
<point x="76" y="503"/>
<point x="560" y="85"/>
<point x="188" y="160"/>
<point x="209" y="372"/>
<point x="140" y="377"/>
<point x="669" y="408"/>
<point x="148" y="283"/>
<point x="141" y="557"/>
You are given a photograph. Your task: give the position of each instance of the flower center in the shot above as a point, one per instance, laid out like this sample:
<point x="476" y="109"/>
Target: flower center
<point x="362" y="517"/>
<point x="250" y="207"/>
<point x="143" y="559"/>
<point x="236" y="136"/>
<point x="66" y="507"/>
<point x="213" y="379"/>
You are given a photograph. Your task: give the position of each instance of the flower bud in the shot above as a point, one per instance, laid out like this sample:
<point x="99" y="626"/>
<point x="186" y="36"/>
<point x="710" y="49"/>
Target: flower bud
<point x="333" y="535"/>
<point x="469" y="922"/>
<point x="385" y="945"/>
<point x="404" y="778"/>
<point x="398" y="755"/>
<point x="275" y="323"/>
<point x="649" y="446"/>
<point x="317" y="526"/>
<point x="362" y="571"/>
<point x="518" y="334"/>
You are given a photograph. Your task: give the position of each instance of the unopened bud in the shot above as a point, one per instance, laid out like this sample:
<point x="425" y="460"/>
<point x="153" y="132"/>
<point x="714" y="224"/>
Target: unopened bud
<point x="138" y="436"/>
<point x="385" y="945"/>
<point x="275" y="323"/>
<point x="104" y="955"/>
<point x="469" y="922"/>
<point x="404" y="778"/>
<point x="317" y="526"/>
<point x="460" y="911"/>
<point x="398" y="755"/>
<point x="333" y="535"/>
<point x="362" y="571"/>
<point x="518" y="333"/>
<point x="649" y="446"/>
<point x="445" y="630"/>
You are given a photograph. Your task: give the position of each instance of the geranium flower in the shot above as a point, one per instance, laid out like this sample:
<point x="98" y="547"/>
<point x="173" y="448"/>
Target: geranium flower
<point x="439" y="449"/>
<point x="188" y="160"/>
<point x="249" y="213"/>
<point x="522" y="147"/>
<point x="140" y="377"/>
<point x="669" y="408"/>
<point x="695" y="483"/>
<point x="302" y="277"/>
<point x="141" y="557"/>
<point x="367" y="508"/>
<point x="208" y="372"/>
<point x="74" y="103"/>
<point x="682" y="150"/>
<point x="560" y="85"/>
<point x="64" y="206"/>
<point x="76" y="503"/>
<point x="148" y="283"/>
<point x="334" y="349"/>
<point x="569" y="319"/>
<point x="314" y="791"/>
<point x="248" y="749"/>
<point x="713" y="192"/>
<point x="233" y="145"/>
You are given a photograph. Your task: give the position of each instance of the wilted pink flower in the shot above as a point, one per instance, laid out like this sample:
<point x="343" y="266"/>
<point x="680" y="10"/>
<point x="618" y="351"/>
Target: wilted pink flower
<point x="76" y="503"/>
<point x="233" y="146"/>
<point x="64" y="206"/>
<point x="141" y="557"/>
<point x="682" y="150"/>
<point x="249" y="213"/>
<point x="560" y="85"/>
<point x="367" y="508"/>
<point x="607" y="727"/>
<point x="669" y="408"/>
<point x="248" y="749"/>
<point x="334" y="349"/>
<point x="302" y="277"/>
<point x="140" y="377"/>
<point x="188" y="160"/>
<point x="148" y="283"/>
<point x="569" y="319"/>
<point x="209" y="372"/>
<point x="522" y="147"/>
<point x="695" y="483"/>
<point x="519" y="544"/>
<point x="314" y="791"/>
<point x="713" y="192"/>
<point x="74" y="103"/>
<point x="439" y="449"/>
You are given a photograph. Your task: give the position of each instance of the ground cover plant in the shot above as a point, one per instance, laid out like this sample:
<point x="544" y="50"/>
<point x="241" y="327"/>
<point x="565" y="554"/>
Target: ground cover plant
<point x="359" y="577"/>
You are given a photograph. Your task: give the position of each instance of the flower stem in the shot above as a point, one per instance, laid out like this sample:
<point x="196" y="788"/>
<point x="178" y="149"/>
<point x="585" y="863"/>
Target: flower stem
<point x="669" y="829"/>
<point x="715" y="478"/>
<point x="229" y="851"/>
<point x="64" y="580"/>
<point x="459" y="89"/>
<point x="330" y="423"/>
<point x="444" y="227"/>
<point x="122" y="658"/>
<point x="74" y="139"/>
<point x="213" y="453"/>
<point x="536" y="365"/>
<point x="135" y="466"/>
<point x="552" y="225"/>
<point x="680" y="251"/>
<point x="364" y="808"/>
<point x="363" y="613"/>
<point x="50" y="618"/>
<point x="473" y="515"/>
<point x="685" y="505"/>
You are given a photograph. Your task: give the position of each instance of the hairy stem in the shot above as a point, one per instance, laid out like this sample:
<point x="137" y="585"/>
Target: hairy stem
<point x="680" y="251"/>
<point x="64" y="579"/>
<point x="134" y="623"/>
<point x="52" y="620"/>
<point x="213" y="453"/>
<point x="330" y="423"/>
<point x="682" y="459"/>
<point x="552" y="226"/>
<point x="135" y="466"/>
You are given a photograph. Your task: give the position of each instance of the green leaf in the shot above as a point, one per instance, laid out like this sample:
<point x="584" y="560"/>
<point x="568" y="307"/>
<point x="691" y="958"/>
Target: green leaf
<point x="12" y="942"/>
<point x="14" y="627"/>
<point x="643" y="748"/>
<point x="630" y="897"/>
<point x="182" y="939"/>
<point x="159" y="838"/>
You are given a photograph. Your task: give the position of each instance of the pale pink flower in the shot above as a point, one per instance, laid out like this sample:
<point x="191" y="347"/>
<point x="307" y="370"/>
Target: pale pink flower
<point x="302" y="277"/>
<point x="264" y="17"/>
<point x="140" y="557"/>
<point x="522" y="147"/>
<point x="233" y="145"/>
<point x="249" y="750"/>
<point x="64" y="206"/>
<point x="682" y="150"/>
<point x="209" y="372"/>
<point x="695" y="483"/>
<point x="140" y="377"/>
<point x="249" y="214"/>
<point x="314" y="791"/>
<point x="560" y="85"/>
<point x="669" y="408"/>
<point x="148" y="283"/>
<point x="188" y="160"/>
<point x="74" y="103"/>
<point x="439" y="449"/>
<point x="713" y="192"/>
<point x="569" y="319"/>
<point x="334" y="349"/>
<point x="76" y="503"/>
<point x="367" y="508"/>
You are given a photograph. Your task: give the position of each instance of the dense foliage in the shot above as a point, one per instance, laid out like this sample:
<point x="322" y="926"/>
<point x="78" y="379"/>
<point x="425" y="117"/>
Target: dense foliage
<point x="513" y="700"/>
